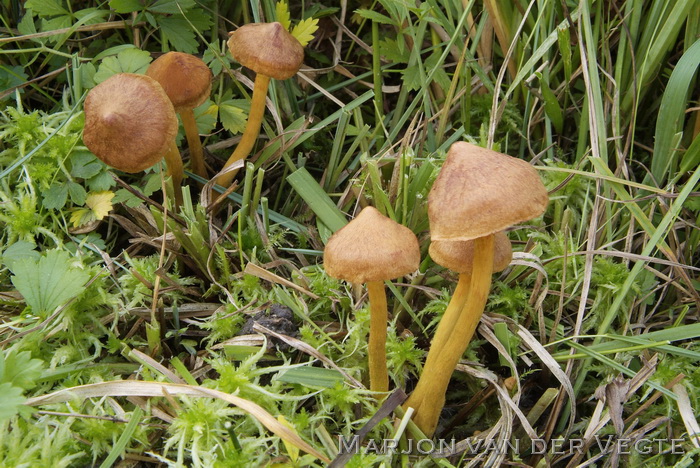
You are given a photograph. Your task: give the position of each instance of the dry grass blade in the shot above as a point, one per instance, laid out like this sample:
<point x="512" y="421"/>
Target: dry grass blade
<point x="149" y="361"/>
<point x="553" y="366"/>
<point x="156" y="389"/>
<point x="502" y="393"/>
<point x="685" y="408"/>
<point x="255" y="270"/>
<point x="498" y="435"/>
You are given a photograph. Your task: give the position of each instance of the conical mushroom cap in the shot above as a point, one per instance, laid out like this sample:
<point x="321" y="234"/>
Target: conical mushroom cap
<point x="186" y="79"/>
<point x="371" y="247"/>
<point x="129" y="122"/>
<point x="459" y="255"/>
<point x="267" y="48"/>
<point x="480" y="192"/>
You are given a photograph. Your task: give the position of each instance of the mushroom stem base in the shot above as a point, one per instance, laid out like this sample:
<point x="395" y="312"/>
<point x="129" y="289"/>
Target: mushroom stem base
<point x="428" y="398"/>
<point x="252" y="128"/>
<point x="376" y="349"/>
<point x="193" y="142"/>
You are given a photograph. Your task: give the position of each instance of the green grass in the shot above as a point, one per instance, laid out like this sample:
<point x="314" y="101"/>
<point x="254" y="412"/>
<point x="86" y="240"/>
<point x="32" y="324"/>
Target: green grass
<point x="590" y="333"/>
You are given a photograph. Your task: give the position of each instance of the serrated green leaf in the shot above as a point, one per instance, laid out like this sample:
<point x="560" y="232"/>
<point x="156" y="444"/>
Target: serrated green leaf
<point x="102" y="181"/>
<point x="205" y="117"/>
<point x="84" y="165"/>
<point x="171" y="7"/>
<point x="55" y="197"/>
<point x="213" y="60"/>
<point x="412" y="77"/>
<point x="282" y="14"/>
<point x="374" y="16"/>
<point x="127" y="198"/>
<point x="390" y="49"/>
<point x="45" y="8"/>
<point x="20" y="370"/>
<point x="26" y="25"/>
<point x="179" y="34"/>
<point x="12" y="401"/>
<point x="49" y="282"/>
<point x="18" y="251"/>
<point x="439" y="76"/>
<point x="11" y="77"/>
<point x="87" y="74"/>
<point x="127" y="61"/>
<point x="233" y="115"/>
<point x="304" y="31"/>
<point x="126" y="6"/>
<point x="152" y="184"/>
<point x="77" y="193"/>
<point x="57" y="22"/>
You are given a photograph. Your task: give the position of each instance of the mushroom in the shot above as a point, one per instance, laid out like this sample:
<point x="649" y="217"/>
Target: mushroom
<point x="130" y="124"/>
<point x="459" y="256"/>
<point x="372" y="249"/>
<point x="271" y="52"/>
<point x="478" y="193"/>
<point x="186" y="80"/>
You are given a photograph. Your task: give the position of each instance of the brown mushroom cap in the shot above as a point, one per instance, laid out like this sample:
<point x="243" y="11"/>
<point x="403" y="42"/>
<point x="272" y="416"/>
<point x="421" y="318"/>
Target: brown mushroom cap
<point x="371" y="247"/>
<point x="480" y="192"/>
<point x="459" y="255"/>
<point x="267" y="48"/>
<point x="185" y="78"/>
<point x="129" y="122"/>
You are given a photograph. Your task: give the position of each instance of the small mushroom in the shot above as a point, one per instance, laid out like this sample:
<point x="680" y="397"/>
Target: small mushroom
<point x="478" y="193"/>
<point x="372" y="249"/>
<point x="271" y="52"/>
<point x="130" y="124"/>
<point x="186" y="80"/>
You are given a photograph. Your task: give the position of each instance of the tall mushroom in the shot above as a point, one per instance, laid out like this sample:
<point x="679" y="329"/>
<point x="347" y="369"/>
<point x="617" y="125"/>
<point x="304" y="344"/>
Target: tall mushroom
<point x="372" y="249"/>
<point x="271" y="52"/>
<point x="478" y="193"/>
<point x="186" y="80"/>
<point x="130" y="124"/>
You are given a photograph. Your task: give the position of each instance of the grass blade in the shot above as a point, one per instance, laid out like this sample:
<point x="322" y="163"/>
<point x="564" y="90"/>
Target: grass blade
<point x="317" y="199"/>
<point x="671" y="113"/>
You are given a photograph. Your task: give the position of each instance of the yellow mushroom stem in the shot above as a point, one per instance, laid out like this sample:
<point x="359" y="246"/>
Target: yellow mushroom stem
<point x="452" y="313"/>
<point x="193" y="142"/>
<point x="447" y="324"/>
<point x="252" y="128"/>
<point x="378" y="374"/>
<point x="428" y="398"/>
<point x="173" y="160"/>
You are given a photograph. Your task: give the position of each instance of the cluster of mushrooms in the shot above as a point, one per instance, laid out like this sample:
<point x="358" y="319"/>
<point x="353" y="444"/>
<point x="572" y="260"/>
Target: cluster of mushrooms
<point x="131" y="122"/>
<point x="477" y="195"/>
